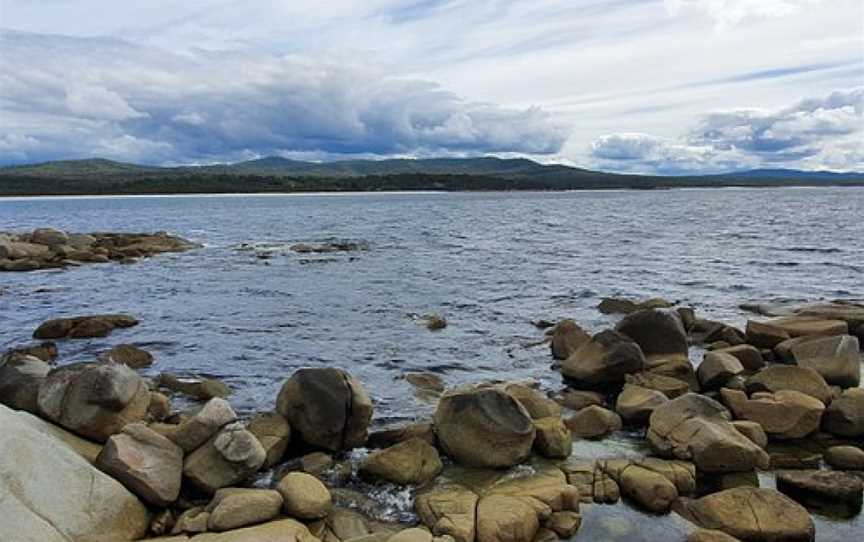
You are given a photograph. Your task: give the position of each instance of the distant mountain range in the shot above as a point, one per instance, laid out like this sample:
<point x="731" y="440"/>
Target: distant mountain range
<point x="276" y="174"/>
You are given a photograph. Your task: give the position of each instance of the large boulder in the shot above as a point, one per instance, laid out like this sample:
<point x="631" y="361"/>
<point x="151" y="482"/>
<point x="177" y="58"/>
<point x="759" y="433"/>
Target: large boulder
<point x="327" y="407"/>
<point x="147" y="463"/>
<point x="651" y="490"/>
<point x="835" y="358"/>
<point x="231" y="456"/>
<point x="698" y="429"/>
<point x="717" y="369"/>
<point x="567" y="337"/>
<point x="604" y="361"/>
<point x="669" y="386"/>
<point x="411" y="462"/>
<point x="635" y="403"/>
<point x="20" y="378"/>
<point x="765" y="335"/>
<point x="810" y="326"/>
<point x="51" y="494"/>
<point x="787" y="414"/>
<point x="783" y="377"/>
<point x="535" y="402"/>
<point x="823" y="490"/>
<point x="753" y="515"/>
<point x="484" y="428"/>
<point x="49" y="236"/>
<point x="304" y="496"/>
<point x="845" y="416"/>
<point x="677" y="366"/>
<point x="93" y="399"/>
<point x="658" y="332"/>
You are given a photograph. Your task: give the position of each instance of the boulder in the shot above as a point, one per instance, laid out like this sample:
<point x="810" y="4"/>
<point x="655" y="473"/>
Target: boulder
<point x="677" y="366"/>
<point x="87" y="449"/>
<point x="483" y="428"/>
<point x="414" y="534"/>
<point x="426" y="382"/>
<point x="553" y="439"/>
<point x="603" y="361"/>
<point x="752" y="514"/>
<point x="650" y="490"/>
<point x="159" y="408"/>
<point x="232" y="508"/>
<point x="46" y="351"/>
<point x="593" y="422"/>
<point x="592" y="482"/>
<point x="130" y="355"/>
<point x="81" y="327"/>
<point x="412" y="462"/>
<point x="612" y="305"/>
<point x="94" y="400"/>
<point x="147" y="463"/>
<point x="845" y="416"/>
<point x="753" y="431"/>
<point x="828" y="491"/>
<point x="809" y="326"/>
<point x="501" y="518"/>
<point x="783" y="377"/>
<point x="387" y="437"/>
<point x="717" y="369"/>
<point x="274" y="433"/>
<point x="635" y="404"/>
<point x="710" y="535"/>
<point x="304" y="496"/>
<point x="193" y="520"/>
<point x="836" y="359"/>
<point x="696" y="428"/>
<point x="567" y="337"/>
<point x="49" y="493"/>
<point x="281" y="530"/>
<point x="449" y="510"/>
<point x="579" y="399"/>
<point x="231" y="456"/>
<point x="20" y="378"/>
<point x="764" y="335"/>
<point x="49" y="236"/>
<point x="534" y="401"/>
<point x="749" y="356"/>
<point x="845" y="457"/>
<point x="669" y="386"/>
<point x="787" y="414"/>
<point x="656" y="331"/>
<point x="202" y="389"/>
<point x="195" y="431"/>
<point x="327" y="408"/>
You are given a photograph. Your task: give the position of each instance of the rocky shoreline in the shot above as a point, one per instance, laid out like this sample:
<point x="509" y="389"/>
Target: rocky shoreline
<point x="47" y="248"/>
<point x="99" y="453"/>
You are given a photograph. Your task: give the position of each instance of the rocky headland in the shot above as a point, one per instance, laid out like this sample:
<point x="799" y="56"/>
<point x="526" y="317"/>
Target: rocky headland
<point x="96" y="451"/>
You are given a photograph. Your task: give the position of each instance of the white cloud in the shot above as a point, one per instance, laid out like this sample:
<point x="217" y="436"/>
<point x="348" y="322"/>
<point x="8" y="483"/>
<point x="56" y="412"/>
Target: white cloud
<point x="728" y="13"/>
<point x="135" y="102"/>
<point x="816" y="133"/>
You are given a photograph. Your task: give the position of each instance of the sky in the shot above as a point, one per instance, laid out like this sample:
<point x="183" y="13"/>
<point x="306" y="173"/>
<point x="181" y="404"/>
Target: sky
<point x="647" y="86"/>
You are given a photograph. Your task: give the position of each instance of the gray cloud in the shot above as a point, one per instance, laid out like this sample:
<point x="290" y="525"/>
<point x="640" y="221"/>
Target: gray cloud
<point x="815" y="133"/>
<point x="74" y="97"/>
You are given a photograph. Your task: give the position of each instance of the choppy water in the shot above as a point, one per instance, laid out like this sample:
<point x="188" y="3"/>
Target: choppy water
<point x="489" y="262"/>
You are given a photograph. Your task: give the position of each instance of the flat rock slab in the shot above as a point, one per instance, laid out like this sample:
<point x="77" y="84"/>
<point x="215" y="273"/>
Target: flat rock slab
<point x="826" y="491"/>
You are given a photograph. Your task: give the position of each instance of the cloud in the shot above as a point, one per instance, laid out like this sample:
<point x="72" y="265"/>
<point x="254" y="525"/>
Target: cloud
<point x="815" y="133"/>
<point x="76" y="97"/>
<point x="728" y="13"/>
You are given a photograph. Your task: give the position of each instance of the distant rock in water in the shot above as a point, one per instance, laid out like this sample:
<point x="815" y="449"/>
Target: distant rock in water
<point x="613" y="305"/>
<point x="46" y="248"/>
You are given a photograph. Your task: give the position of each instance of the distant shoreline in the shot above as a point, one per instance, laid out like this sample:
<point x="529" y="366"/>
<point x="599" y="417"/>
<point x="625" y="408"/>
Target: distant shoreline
<point x="320" y="193"/>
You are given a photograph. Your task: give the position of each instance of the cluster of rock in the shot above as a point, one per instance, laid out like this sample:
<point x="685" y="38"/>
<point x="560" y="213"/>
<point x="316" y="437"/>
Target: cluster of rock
<point x="100" y="455"/>
<point x="47" y="248"/>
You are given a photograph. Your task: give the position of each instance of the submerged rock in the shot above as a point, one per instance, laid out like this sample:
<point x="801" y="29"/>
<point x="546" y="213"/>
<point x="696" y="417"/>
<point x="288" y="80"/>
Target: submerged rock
<point x="611" y="305"/>
<point x="484" y="428"/>
<point x="81" y="327"/>
<point x="327" y="407"/>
